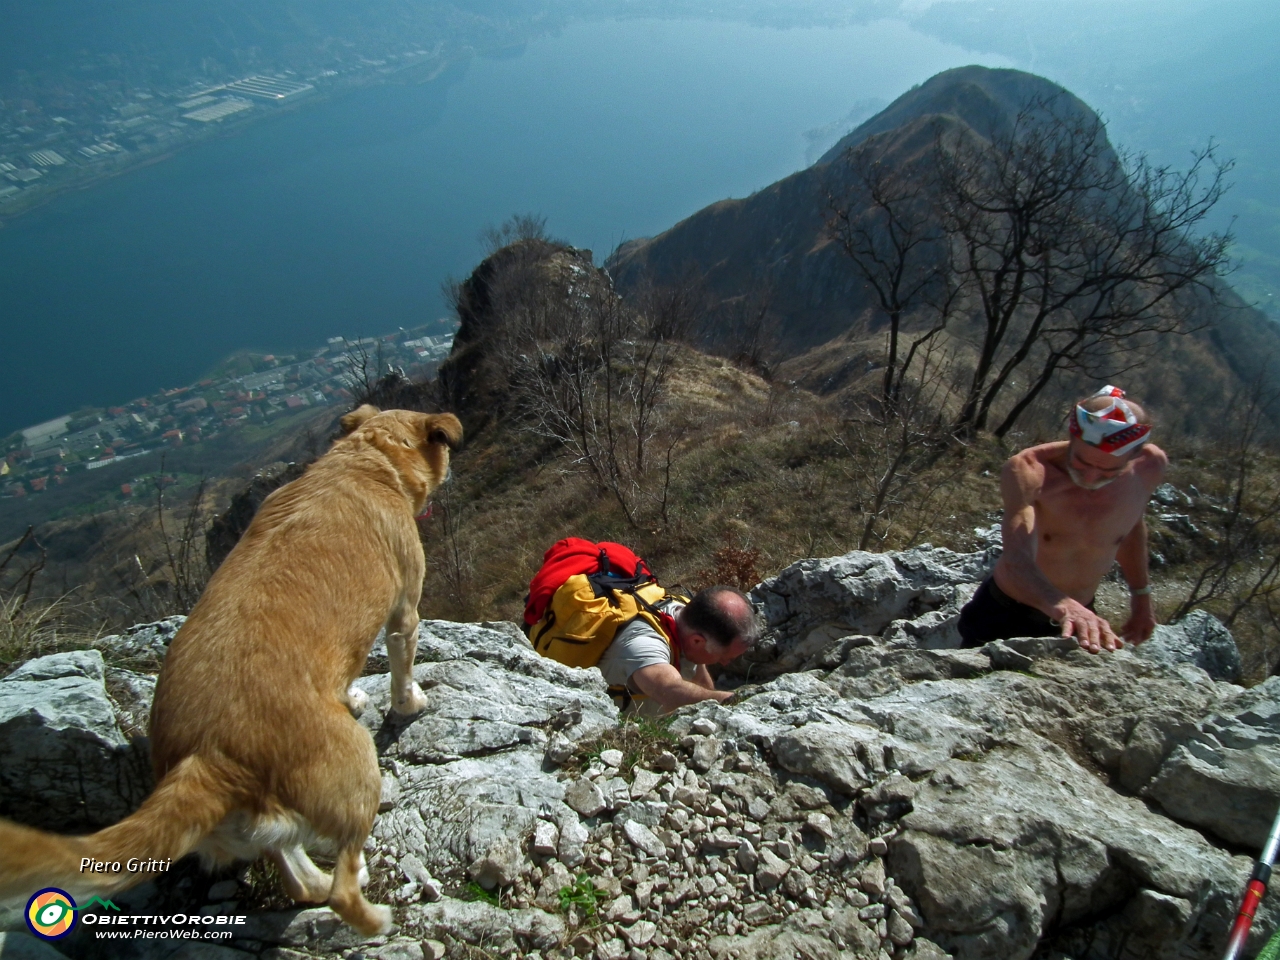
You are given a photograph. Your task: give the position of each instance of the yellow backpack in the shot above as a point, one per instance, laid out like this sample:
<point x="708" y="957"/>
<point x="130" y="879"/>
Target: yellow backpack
<point x="586" y="613"/>
<point x="583" y="593"/>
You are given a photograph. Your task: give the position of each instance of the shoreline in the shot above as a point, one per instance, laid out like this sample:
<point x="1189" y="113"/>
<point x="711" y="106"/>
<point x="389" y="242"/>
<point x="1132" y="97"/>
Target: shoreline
<point x="439" y="67"/>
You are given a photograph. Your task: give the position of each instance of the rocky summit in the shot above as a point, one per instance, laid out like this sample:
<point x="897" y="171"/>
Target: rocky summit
<point x="869" y="792"/>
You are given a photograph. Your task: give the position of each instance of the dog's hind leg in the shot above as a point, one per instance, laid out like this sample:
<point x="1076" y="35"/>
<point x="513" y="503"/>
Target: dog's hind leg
<point x="347" y="899"/>
<point x="303" y="880"/>
<point x="402" y="647"/>
<point x="336" y="790"/>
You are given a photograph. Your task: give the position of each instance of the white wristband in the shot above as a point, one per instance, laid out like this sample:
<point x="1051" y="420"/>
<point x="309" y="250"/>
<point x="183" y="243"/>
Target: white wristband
<point x="1140" y="591"/>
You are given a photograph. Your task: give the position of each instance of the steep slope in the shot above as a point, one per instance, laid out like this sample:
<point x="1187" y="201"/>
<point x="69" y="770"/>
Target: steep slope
<point x="779" y="233"/>
<point x="777" y="239"/>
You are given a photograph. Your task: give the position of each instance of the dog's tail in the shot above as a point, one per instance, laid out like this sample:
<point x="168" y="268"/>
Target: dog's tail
<point x="186" y="805"/>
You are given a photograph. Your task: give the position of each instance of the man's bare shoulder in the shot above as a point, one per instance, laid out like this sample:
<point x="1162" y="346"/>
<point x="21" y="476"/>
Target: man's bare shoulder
<point x="1150" y="464"/>
<point x="1029" y="464"/>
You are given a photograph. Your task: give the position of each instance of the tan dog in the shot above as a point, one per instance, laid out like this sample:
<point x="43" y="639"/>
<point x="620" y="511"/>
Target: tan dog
<point x="253" y="741"/>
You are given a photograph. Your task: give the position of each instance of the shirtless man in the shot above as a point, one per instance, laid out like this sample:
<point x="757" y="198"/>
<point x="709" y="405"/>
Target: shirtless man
<point x="1072" y="508"/>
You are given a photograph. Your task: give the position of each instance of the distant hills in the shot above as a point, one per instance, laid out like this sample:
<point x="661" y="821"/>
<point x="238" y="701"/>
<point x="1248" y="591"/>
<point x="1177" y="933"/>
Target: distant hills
<point x="777" y="241"/>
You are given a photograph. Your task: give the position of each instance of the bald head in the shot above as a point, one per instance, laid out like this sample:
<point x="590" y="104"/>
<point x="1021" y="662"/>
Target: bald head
<point x="722" y="615"/>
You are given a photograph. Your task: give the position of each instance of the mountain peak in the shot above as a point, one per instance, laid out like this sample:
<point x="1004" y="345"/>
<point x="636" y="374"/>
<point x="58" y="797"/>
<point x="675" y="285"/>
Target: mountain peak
<point x="985" y="98"/>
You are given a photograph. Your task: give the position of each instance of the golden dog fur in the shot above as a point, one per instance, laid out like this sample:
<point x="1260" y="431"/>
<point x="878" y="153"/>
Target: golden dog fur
<point x="253" y="741"/>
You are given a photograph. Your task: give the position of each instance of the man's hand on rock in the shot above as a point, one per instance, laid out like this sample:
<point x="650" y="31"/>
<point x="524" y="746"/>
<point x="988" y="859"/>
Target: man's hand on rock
<point x="1142" y="620"/>
<point x="745" y="692"/>
<point x="1091" y="631"/>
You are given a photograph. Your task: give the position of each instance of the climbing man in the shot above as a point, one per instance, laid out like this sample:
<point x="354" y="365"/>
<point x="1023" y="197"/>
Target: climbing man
<point x="599" y="605"/>
<point x="1072" y="508"/>
<point x="717" y="626"/>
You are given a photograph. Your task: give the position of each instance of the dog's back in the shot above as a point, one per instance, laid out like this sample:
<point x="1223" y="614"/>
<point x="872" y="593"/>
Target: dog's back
<point x="262" y="626"/>
<point x="253" y="742"/>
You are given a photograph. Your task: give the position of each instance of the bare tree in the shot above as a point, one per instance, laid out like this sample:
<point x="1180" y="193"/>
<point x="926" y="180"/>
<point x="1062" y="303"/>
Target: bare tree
<point x="890" y="447"/>
<point x="362" y="369"/>
<point x="750" y="329"/>
<point x="590" y="373"/>
<point x="883" y="217"/>
<point x="452" y="552"/>
<point x="1243" y="565"/>
<point x="1073" y="257"/>
<point x="184" y="553"/>
<point x="21" y="584"/>
<point x="518" y="227"/>
<point x="169" y="578"/>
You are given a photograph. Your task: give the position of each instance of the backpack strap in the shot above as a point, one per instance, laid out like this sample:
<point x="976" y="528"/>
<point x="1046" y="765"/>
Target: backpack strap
<point x="623" y="698"/>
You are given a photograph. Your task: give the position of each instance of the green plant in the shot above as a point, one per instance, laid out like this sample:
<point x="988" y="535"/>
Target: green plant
<point x="473" y="891"/>
<point x="581" y="893"/>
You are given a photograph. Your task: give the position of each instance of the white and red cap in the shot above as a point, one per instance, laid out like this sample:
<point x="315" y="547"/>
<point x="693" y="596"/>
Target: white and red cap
<point x="1114" y="428"/>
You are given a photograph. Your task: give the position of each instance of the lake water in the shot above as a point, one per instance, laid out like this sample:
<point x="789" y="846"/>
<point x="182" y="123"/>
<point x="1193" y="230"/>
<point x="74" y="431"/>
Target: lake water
<point x="343" y="217"/>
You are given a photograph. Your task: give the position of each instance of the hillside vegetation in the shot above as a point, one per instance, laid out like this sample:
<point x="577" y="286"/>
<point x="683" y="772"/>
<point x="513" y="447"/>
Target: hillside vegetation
<point x="746" y="474"/>
<point x="747" y="395"/>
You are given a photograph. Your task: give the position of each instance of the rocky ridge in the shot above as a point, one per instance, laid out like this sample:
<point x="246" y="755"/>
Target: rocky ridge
<point x="869" y="792"/>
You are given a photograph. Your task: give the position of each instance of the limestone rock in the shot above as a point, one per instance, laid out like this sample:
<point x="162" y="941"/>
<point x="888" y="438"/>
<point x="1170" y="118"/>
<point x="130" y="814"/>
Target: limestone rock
<point x="611" y="758"/>
<point x="546" y="838"/>
<point x="889" y="799"/>
<point x="994" y="830"/>
<point x="860" y="592"/>
<point x="643" y="839"/>
<point x="1198" y="639"/>
<point x="65" y="764"/>
<point x="145" y="641"/>
<point x="805" y="933"/>
<point x="573" y="839"/>
<point x="500" y="865"/>
<point x="584" y="797"/>
<point x="559" y="749"/>
<point x="502" y="931"/>
<point x="705" y="753"/>
<point x="1225" y="776"/>
<point x="644" y="782"/>
<point x="641" y="934"/>
<point x="771" y="870"/>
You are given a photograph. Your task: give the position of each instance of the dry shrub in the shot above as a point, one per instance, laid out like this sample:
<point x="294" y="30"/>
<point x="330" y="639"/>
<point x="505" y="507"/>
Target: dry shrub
<point x="732" y="566"/>
<point x="36" y="628"/>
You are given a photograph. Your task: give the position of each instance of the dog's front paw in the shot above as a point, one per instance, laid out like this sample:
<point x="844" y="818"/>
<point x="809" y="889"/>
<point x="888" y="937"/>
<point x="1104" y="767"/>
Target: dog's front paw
<point x="414" y="701"/>
<point x="357" y="701"/>
<point x="362" y="877"/>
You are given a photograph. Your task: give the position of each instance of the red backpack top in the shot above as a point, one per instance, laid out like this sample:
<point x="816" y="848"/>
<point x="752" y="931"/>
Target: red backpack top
<point x="572" y="556"/>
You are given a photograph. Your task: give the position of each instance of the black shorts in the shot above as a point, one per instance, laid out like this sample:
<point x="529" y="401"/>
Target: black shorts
<point x="994" y="615"/>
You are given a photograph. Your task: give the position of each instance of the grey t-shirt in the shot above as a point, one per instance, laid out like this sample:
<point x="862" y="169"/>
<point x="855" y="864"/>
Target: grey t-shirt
<point x="638" y="645"/>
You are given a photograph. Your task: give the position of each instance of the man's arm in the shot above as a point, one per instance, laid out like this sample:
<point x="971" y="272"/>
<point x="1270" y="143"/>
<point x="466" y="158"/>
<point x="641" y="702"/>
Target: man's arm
<point x="1016" y="572"/>
<point x="1132" y="557"/>
<point x="663" y="683"/>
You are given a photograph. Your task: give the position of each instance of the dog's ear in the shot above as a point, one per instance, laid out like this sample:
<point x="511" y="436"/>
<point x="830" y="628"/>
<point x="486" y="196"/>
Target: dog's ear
<point x="443" y="428"/>
<point x="358" y="416"/>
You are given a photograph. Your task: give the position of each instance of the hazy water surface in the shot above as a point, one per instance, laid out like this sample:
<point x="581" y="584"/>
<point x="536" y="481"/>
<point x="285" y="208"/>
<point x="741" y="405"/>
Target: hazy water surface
<point x="342" y="218"/>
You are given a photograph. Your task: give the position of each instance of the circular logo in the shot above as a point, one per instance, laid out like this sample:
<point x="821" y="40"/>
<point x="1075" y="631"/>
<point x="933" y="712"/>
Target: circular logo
<point x="51" y="913"/>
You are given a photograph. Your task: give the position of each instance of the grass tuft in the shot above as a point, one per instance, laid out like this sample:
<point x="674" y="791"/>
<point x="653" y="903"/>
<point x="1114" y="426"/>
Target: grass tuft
<point x="32" y="628"/>
<point x="641" y="740"/>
